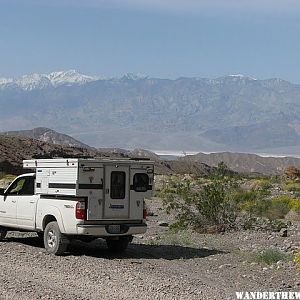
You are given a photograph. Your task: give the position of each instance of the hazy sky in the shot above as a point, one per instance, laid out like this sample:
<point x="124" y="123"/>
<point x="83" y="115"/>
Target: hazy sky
<point x="159" y="38"/>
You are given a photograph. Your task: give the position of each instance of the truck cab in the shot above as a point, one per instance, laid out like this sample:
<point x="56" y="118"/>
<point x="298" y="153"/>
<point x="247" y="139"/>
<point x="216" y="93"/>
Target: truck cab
<point x="18" y="203"/>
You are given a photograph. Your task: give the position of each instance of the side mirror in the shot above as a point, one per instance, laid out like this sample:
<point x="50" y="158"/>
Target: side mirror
<point x="2" y="192"/>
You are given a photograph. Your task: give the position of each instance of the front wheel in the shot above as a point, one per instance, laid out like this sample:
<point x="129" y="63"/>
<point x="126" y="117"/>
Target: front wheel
<point x="118" y="245"/>
<point x="3" y="233"/>
<point x="55" y="242"/>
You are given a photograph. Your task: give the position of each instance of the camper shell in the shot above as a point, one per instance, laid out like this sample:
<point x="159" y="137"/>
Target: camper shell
<point x="114" y="189"/>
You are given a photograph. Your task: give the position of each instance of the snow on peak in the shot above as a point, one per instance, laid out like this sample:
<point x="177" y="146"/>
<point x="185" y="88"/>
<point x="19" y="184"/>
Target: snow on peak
<point x="5" y="81"/>
<point x="70" y="77"/>
<point x="40" y="81"/>
<point x="241" y="76"/>
<point x="33" y="81"/>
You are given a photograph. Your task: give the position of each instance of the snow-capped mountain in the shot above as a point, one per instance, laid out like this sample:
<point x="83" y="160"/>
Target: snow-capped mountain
<point x="230" y="112"/>
<point x="33" y="81"/>
<point x="40" y="81"/>
<point x="70" y="77"/>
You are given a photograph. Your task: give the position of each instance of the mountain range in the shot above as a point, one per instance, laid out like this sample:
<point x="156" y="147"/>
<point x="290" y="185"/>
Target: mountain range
<point x="231" y="113"/>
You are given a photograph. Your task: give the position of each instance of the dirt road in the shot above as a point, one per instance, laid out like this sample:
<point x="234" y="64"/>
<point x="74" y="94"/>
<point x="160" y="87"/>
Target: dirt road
<point x="157" y="265"/>
<point x="146" y="271"/>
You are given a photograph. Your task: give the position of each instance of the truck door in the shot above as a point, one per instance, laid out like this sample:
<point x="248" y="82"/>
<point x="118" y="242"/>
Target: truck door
<point x="8" y="206"/>
<point x="116" y="196"/>
<point x="26" y="204"/>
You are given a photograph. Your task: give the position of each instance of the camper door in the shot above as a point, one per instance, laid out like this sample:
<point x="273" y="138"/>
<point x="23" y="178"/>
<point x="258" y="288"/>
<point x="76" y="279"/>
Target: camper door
<point x="116" y="196"/>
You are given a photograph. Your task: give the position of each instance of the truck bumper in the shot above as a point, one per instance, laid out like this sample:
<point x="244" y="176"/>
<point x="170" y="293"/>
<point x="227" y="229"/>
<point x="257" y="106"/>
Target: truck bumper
<point x="111" y="230"/>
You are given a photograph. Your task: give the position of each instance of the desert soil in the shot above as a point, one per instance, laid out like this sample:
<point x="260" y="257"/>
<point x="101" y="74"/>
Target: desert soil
<point x="158" y="265"/>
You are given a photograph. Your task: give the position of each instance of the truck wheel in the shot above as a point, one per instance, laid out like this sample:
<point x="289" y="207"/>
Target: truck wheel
<point x="119" y="245"/>
<point x="3" y="233"/>
<point x="55" y="242"/>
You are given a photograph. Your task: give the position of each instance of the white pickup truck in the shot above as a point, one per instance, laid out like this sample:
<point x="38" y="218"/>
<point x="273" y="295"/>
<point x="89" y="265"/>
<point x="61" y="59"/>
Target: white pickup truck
<point x="67" y="199"/>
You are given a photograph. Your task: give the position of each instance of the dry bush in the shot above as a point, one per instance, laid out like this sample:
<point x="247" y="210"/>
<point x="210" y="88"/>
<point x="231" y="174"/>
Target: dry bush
<point x="292" y="172"/>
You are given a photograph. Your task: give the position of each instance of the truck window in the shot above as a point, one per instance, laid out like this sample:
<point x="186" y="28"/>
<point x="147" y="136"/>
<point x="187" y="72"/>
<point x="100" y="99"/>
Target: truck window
<point x="22" y="186"/>
<point x="140" y="182"/>
<point x="117" y="185"/>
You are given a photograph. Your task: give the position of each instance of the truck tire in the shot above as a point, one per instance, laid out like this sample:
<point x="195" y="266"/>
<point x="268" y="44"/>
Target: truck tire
<point x="54" y="241"/>
<point x="119" y="245"/>
<point x="3" y="233"/>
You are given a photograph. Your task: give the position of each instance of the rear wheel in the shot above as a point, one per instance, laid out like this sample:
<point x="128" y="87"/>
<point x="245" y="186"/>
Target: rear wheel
<point x="55" y="242"/>
<point x="3" y="233"/>
<point x="118" y="245"/>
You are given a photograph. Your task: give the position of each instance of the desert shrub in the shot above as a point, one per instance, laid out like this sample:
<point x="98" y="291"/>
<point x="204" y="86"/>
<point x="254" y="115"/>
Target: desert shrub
<point x="262" y="185"/>
<point x="271" y="256"/>
<point x="292" y="172"/>
<point x="173" y="237"/>
<point x="241" y="196"/>
<point x="297" y="259"/>
<point x="271" y="208"/>
<point x="274" y="208"/>
<point x="245" y="198"/>
<point x="292" y="186"/>
<point x="294" y="204"/>
<point x="197" y="205"/>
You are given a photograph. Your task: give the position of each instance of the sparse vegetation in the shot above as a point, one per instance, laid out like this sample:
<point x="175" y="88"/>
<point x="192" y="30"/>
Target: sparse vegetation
<point x="177" y="238"/>
<point x="297" y="259"/>
<point x="292" y="186"/>
<point x="197" y="204"/>
<point x="271" y="256"/>
<point x="219" y="198"/>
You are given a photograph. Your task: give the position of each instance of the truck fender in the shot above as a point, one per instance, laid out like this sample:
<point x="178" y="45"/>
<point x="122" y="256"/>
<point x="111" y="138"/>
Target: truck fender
<point x="52" y="211"/>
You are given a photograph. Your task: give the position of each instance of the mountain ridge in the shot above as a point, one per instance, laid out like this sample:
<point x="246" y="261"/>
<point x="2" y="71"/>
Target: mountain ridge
<point x="48" y="135"/>
<point x="231" y="113"/>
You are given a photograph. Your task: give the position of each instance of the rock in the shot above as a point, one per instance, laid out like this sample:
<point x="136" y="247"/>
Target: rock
<point x="224" y="266"/>
<point x="283" y="232"/>
<point x="163" y="223"/>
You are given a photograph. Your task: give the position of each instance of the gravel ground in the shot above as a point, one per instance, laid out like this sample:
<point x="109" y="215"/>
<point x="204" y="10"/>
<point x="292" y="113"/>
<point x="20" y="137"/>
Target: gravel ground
<point x="157" y="265"/>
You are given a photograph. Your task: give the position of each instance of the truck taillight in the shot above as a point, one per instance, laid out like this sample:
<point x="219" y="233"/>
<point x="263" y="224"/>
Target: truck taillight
<point x="80" y="210"/>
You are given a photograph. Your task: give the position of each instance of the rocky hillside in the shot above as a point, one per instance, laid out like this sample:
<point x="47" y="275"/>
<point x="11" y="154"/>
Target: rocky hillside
<point x="49" y="136"/>
<point x="245" y="163"/>
<point x="13" y="149"/>
<point x="232" y="113"/>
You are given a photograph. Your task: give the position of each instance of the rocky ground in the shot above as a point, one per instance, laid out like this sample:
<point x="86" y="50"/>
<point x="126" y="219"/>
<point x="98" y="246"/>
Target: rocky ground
<point x="157" y="265"/>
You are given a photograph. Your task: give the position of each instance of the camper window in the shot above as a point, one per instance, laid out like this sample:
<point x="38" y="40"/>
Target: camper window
<point x="117" y="185"/>
<point x="140" y="182"/>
